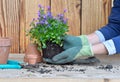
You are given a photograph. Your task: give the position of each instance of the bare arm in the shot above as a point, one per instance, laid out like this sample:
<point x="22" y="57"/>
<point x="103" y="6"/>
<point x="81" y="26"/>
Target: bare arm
<point x="97" y="47"/>
<point x="93" y="38"/>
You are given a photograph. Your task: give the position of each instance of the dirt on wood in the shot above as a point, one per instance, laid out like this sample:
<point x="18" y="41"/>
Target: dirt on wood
<point x="43" y="68"/>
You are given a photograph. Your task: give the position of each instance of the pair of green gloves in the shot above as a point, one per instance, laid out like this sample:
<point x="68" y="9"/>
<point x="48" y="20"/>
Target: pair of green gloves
<point x="76" y="48"/>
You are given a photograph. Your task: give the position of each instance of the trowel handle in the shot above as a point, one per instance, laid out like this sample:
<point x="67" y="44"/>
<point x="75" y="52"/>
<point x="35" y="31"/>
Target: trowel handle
<point x="7" y="66"/>
<point x="13" y="62"/>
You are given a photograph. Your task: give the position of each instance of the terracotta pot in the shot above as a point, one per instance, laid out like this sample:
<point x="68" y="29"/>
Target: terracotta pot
<point x="32" y="59"/>
<point x="32" y="54"/>
<point x="5" y="44"/>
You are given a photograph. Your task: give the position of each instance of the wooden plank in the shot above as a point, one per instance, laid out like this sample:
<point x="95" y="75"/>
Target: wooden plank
<point x="2" y="20"/>
<point x="114" y="80"/>
<point x="29" y="9"/>
<point x="52" y="80"/>
<point x="22" y="26"/>
<point x="94" y="14"/>
<point x="9" y="21"/>
<point x="73" y="13"/>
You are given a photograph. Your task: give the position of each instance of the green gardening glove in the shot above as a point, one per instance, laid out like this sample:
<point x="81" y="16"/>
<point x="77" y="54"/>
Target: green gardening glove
<point x="72" y="41"/>
<point x="72" y="53"/>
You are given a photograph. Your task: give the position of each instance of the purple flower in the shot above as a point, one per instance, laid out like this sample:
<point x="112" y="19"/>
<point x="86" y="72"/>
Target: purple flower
<point x="37" y="23"/>
<point x="46" y="22"/>
<point x="42" y="22"/>
<point x="65" y="10"/>
<point x="38" y="18"/>
<point x="48" y="8"/>
<point x="55" y="18"/>
<point x="65" y="21"/>
<point x="60" y="16"/>
<point x="39" y="14"/>
<point x="49" y="14"/>
<point x="39" y="6"/>
<point x="44" y="16"/>
<point x="33" y="19"/>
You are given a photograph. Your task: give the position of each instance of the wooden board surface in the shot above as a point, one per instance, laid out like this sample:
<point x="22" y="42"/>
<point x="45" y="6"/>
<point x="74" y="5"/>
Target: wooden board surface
<point x="27" y="76"/>
<point x="91" y="75"/>
<point x="52" y="80"/>
<point x="94" y="14"/>
<point x="59" y="80"/>
<point x="9" y="22"/>
<point x="73" y="8"/>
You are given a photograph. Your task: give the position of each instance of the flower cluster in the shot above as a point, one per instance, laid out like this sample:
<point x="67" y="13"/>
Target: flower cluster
<point x="48" y="27"/>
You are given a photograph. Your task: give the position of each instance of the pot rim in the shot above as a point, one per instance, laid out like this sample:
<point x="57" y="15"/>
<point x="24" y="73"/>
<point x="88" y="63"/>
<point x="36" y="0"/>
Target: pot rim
<point x="5" y="41"/>
<point x="33" y="56"/>
<point x="5" y="38"/>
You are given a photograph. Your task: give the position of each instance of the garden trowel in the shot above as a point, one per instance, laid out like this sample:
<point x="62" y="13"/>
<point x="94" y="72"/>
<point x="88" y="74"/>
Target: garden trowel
<point x="11" y="64"/>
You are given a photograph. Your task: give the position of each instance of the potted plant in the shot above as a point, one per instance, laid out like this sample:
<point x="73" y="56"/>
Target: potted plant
<point x="47" y="31"/>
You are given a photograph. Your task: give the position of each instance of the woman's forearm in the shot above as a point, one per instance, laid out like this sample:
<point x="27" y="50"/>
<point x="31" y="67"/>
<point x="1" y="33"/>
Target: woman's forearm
<point x="93" y="38"/>
<point x="99" y="49"/>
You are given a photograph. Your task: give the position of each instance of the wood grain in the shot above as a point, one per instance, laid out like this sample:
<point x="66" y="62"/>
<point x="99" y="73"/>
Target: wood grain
<point x="9" y="21"/>
<point x="58" y="80"/>
<point x="94" y="14"/>
<point x="73" y="13"/>
<point x="22" y="26"/>
<point x="114" y="80"/>
<point x="53" y="80"/>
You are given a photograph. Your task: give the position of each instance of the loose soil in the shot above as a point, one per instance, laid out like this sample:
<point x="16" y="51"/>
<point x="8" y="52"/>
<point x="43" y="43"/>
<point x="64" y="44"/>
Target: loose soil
<point x="43" y="68"/>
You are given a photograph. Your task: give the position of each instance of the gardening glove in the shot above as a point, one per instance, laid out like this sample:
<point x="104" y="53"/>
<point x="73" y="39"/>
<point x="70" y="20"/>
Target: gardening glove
<point x="72" y="41"/>
<point x="89" y="60"/>
<point x="11" y="64"/>
<point x="73" y="53"/>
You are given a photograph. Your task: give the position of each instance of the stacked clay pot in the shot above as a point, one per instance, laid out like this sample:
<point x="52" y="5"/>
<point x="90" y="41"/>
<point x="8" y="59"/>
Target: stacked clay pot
<point x="32" y="54"/>
<point x="5" y="44"/>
